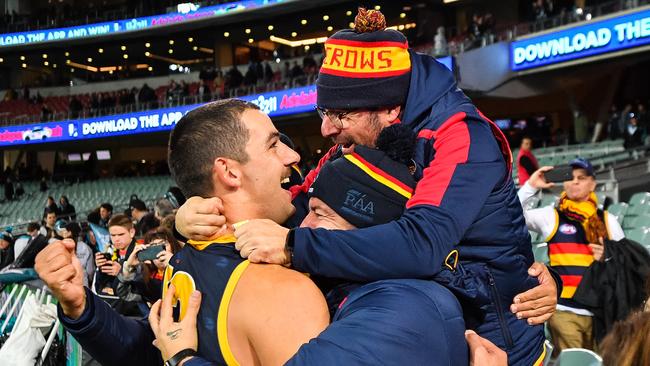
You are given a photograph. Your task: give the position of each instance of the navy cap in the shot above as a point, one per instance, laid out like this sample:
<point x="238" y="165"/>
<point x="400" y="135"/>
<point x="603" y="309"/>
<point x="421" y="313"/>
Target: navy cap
<point x="583" y="163"/>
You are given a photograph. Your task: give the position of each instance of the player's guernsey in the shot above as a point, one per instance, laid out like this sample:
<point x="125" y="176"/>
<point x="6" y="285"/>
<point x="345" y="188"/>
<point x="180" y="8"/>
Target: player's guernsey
<point x="214" y="268"/>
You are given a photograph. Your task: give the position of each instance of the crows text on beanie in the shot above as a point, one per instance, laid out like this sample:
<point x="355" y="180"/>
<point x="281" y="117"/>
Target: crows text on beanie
<point x="366" y="67"/>
<point x="370" y="186"/>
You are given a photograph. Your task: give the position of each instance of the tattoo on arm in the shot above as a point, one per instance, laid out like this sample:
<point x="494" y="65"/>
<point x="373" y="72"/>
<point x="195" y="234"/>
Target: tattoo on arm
<point x="174" y="334"/>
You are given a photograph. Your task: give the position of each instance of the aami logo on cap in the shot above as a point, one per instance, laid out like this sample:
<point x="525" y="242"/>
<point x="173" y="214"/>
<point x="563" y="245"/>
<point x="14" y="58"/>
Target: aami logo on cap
<point x="568" y="229"/>
<point x="359" y="202"/>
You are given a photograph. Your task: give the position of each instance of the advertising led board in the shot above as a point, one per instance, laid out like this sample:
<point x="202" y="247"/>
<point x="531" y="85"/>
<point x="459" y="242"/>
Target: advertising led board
<point x="589" y="39"/>
<point x="129" y="25"/>
<point x="279" y="103"/>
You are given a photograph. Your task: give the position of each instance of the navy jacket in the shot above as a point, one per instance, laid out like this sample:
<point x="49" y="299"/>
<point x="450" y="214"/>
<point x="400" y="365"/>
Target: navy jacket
<point x="465" y="200"/>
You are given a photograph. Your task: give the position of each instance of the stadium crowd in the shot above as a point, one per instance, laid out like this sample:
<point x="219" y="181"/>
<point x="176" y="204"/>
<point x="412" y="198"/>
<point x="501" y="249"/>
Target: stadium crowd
<point x="413" y="256"/>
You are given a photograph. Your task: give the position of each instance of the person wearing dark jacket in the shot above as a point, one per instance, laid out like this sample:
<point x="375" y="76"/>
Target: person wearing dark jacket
<point x="6" y="249"/>
<point x="66" y="210"/>
<point x="633" y="134"/>
<point x="613" y="288"/>
<point x="465" y="200"/>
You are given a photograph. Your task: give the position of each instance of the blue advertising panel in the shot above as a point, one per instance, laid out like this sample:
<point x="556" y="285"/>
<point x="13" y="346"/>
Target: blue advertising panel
<point x="279" y="103"/>
<point x="192" y="12"/>
<point x="594" y="38"/>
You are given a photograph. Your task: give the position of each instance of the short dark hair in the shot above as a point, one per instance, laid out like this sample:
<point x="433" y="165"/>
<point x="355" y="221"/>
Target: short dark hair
<point x="204" y="134"/>
<point x="33" y="226"/>
<point x="107" y="206"/>
<point x="121" y="220"/>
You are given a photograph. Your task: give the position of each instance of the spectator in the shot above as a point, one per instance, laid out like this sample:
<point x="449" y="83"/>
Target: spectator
<point x="23" y="241"/>
<point x="9" y="189"/>
<point x="219" y="84"/>
<point x="251" y="76"/>
<point x="50" y="206"/>
<point x="109" y="264"/>
<point x="234" y="78"/>
<point x="628" y="343"/>
<point x="163" y="208"/>
<point x="642" y="117"/>
<point x="145" y="220"/>
<point x="612" y="125"/>
<point x="75" y="107"/>
<point x="575" y="230"/>
<point x="66" y="210"/>
<point x="72" y="231"/>
<point x="526" y="161"/>
<point x="286" y="72"/>
<point x="145" y="279"/>
<point x="633" y="135"/>
<point x="46" y="113"/>
<point x="6" y="249"/>
<point x="43" y="186"/>
<point x="580" y="127"/>
<point x="105" y="214"/>
<point x="440" y="43"/>
<point x="296" y="70"/>
<point x="47" y="229"/>
<point x="268" y="73"/>
<point x="20" y="190"/>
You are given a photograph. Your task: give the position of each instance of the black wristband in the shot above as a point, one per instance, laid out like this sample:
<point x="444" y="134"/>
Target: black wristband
<point x="180" y="356"/>
<point x="289" y="245"/>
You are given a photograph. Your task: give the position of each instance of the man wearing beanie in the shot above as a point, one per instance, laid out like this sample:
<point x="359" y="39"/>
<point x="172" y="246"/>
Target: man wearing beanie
<point x="6" y="249"/>
<point x="465" y="203"/>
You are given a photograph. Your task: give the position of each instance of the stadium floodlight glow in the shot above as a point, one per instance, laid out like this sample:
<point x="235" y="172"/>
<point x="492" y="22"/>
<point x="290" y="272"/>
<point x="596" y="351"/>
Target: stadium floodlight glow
<point x="125" y="56"/>
<point x="298" y="43"/>
<point x="24" y="66"/>
<point x="377" y="7"/>
<point x="2" y="59"/>
<point x="348" y="13"/>
<point x="45" y="55"/>
<point x="90" y="59"/>
<point x="67" y="54"/>
<point x="101" y="50"/>
<point x="351" y="25"/>
<point x="110" y="72"/>
<point x="247" y="31"/>
<point x="71" y="70"/>
<point x="147" y="44"/>
<point x="277" y="60"/>
<point x="270" y="27"/>
<point x="67" y="61"/>
<point x="173" y="67"/>
<point x="22" y="58"/>
<point x="190" y="39"/>
<point x="123" y="48"/>
<point x="326" y="17"/>
<point x="195" y="48"/>
<point x="171" y="41"/>
<point x="46" y="63"/>
<point x="402" y="15"/>
<point x="400" y="27"/>
<point x="294" y="34"/>
<point x="250" y="40"/>
<point x="330" y="28"/>
<point x="170" y="51"/>
<point x="226" y="34"/>
<point x="54" y="66"/>
<point x="303" y="22"/>
<point x="147" y="53"/>
<point x="307" y="48"/>
<point x="150" y="68"/>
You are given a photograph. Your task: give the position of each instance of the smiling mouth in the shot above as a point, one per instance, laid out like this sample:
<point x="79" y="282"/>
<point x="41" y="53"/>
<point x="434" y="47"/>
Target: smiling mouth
<point x="285" y="180"/>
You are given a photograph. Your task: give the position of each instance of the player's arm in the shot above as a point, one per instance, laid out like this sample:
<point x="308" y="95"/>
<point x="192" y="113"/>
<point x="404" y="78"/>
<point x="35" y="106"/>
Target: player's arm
<point x="278" y="310"/>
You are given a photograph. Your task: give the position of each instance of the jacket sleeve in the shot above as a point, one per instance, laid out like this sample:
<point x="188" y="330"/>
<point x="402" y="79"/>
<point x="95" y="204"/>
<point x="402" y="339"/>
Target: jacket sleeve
<point x="110" y="338"/>
<point x="467" y="166"/>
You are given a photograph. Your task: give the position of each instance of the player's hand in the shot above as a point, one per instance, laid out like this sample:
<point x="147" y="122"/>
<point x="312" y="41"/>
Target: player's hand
<point x="537" y="179"/>
<point x="201" y="219"/>
<point x="173" y="337"/>
<point x="262" y="241"/>
<point x="58" y="266"/>
<point x="100" y="260"/>
<point x="483" y="352"/>
<point x="537" y="304"/>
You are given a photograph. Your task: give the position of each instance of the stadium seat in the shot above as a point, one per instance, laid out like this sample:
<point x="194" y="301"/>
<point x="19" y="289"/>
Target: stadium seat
<point x="548" y="200"/>
<point x="641" y="198"/>
<point x="549" y="352"/>
<point x="540" y="252"/>
<point x="637" y="221"/>
<point x="578" y="357"/>
<point x="619" y="210"/>
<point x="640" y="235"/>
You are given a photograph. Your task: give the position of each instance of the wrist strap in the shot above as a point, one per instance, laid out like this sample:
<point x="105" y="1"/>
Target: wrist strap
<point x="180" y="356"/>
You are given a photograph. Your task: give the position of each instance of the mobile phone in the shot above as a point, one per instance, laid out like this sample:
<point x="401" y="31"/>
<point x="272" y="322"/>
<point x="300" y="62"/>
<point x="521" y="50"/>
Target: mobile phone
<point x="108" y="256"/>
<point x="150" y="253"/>
<point x="559" y="174"/>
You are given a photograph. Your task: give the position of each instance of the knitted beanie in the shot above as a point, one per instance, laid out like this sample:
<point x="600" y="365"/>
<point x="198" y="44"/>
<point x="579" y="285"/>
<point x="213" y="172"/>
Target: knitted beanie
<point x="365" y="67"/>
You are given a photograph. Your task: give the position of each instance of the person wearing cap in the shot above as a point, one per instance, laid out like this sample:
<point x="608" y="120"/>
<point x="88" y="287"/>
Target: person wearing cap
<point x="6" y="249"/>
<point x="633" y="134"/>
<point x="575" y="230"/>
<point x="465" y="200"/>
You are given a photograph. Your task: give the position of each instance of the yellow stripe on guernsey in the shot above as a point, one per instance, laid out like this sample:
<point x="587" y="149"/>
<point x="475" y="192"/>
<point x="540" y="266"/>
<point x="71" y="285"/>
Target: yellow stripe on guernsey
<point x="365" y="59"/>
<point x="202" y="244"/>
<point x="568" y="291"/>
<point x="579" y="260"/>
<point x="378" y="177"/>
<point x="222" y="315"/>
<point x="540" y="359"/>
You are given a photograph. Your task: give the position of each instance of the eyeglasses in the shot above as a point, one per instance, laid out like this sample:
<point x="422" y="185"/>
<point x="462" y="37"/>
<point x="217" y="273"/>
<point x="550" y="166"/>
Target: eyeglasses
<point x="335" y="116"/>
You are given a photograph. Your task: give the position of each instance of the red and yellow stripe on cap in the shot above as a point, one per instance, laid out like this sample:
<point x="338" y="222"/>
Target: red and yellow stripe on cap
<point x="357" y="59"/>
<point x="380" y="175"/>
